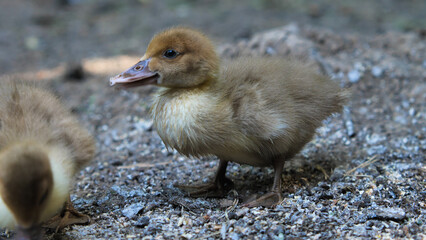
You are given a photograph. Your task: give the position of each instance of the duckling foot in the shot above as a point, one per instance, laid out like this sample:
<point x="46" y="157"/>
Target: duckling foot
<point x="68" y="216"/>
<point x="274" y="197"/>
<point x="268" y="200"/>
<point x="210" y="190"/>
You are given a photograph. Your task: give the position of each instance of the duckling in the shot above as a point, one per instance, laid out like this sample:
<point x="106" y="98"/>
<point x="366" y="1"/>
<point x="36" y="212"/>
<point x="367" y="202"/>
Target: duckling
<point x="41" y="147"/>
<point x="259" y="111"/>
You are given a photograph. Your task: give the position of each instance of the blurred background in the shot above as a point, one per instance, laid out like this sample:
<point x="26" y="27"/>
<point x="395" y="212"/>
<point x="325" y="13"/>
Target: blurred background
<point x="45" y="33"/>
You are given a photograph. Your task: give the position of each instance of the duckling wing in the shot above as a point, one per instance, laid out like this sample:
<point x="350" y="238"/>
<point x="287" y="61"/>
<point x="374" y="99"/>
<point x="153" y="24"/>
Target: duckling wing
<point x="257" y="116"/>
<point x="276" y="98"/>
<point x="260" y="104"/>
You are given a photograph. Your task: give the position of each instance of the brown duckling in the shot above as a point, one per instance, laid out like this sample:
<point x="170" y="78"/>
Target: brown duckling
<point x="42" y="146"/>
<point x="259" y="111"/>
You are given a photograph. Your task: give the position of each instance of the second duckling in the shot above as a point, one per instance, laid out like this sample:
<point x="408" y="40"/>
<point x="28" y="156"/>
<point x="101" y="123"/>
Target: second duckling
<point x="42" y="146"/>
<point x="255" y="110"/>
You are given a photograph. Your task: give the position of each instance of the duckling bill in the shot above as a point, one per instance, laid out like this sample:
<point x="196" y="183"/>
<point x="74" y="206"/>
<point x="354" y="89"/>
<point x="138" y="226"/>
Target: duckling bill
<point x="42" y="146"/>
<point x="259" y="111"/>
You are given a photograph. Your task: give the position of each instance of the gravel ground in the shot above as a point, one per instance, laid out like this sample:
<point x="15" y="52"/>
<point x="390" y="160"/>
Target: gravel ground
<point x="362" y="176"/>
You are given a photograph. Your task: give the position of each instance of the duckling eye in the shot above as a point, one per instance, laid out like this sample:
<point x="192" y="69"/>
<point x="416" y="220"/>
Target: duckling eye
<point x="170" y="53"/>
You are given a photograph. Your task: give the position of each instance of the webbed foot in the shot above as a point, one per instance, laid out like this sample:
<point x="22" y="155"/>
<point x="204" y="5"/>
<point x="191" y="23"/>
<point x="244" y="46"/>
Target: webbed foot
<point x="210" y="190"/>
<point x="270" y="199"/>
<point x="68" y="216"/>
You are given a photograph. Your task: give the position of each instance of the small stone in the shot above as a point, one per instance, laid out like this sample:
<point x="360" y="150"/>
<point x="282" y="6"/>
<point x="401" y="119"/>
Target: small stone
<point x="232" y="215"/>
<point x="324" y="185"/>
<point x="377" y="71"/>
<point x="279" y="207"/>
<point x="376" y="150"/>
<point x="223" y="230"/>
<point x="234" y="236"/>
<point x="187" y="236"/>
<point x="142" y="222"/>
<point x="354" y="76"/>
<point x="132" y="210"/>
<point x="375" y="138"/>
<point x="75" y="72"/>
<point x="388" y="213"/>
<point x="32" y="43"/>
<point x="326" y="195"/>
<point x="242" y="212"/>
<point x="271" y="51"/>
<point x="360" y="231"/>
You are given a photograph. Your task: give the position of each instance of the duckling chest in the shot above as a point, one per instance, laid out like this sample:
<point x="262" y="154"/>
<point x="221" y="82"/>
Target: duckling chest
<point x="182" y="122"/>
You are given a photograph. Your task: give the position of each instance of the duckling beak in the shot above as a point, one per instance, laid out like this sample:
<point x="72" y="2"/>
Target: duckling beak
<point x="137" y="75"/>
<point x="31" y="233"/>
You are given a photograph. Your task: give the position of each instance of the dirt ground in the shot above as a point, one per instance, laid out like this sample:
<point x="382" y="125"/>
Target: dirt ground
<point x="363" y="175"/>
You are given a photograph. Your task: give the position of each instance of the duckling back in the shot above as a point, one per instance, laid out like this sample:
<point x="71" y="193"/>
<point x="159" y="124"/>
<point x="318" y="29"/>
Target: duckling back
<point x="28" y="112"/>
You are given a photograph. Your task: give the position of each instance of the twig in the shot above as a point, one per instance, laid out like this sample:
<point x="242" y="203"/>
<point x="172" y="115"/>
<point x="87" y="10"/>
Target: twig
<point x="362" y="175"/>
<point x="210" y="235"/>
<point x="362" y="165"/>
<point x="323" y="171"/>
<point x="231" y="208"/>
<point x="179" y="202"/>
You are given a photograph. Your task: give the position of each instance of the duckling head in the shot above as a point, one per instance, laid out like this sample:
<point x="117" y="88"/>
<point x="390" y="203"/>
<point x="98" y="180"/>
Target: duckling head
<point x="176" y="58"/>
<point x="26" y="182"/>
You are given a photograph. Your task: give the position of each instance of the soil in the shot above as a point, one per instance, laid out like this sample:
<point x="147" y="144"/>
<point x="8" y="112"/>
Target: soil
<point x="362" y="176"/>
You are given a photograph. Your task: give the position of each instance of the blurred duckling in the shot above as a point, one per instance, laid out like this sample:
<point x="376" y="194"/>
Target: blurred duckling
<point x="259" y="111"/>
<point x="42" y="146"/>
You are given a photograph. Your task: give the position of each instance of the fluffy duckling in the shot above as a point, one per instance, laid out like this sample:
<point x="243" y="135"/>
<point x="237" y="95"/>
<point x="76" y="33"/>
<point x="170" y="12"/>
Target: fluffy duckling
<point x="42" y="146"/>
<point x="255" y="110"/>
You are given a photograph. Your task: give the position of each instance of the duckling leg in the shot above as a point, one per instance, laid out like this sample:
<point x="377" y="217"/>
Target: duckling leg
<point x="274" y="196"/>
<point x="213" y="189"/>
<point x="68" y="216"/>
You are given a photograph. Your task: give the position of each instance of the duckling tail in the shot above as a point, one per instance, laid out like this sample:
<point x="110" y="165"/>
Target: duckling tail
<point x="343" y="96"/>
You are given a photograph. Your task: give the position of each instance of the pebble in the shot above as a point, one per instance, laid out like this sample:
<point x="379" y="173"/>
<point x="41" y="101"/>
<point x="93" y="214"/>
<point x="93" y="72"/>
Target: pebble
<point x="359" y="230"/>
<point x="374" y="150"/>
<point x="142" y="222"/>
<point x="223" y="230"/>
<point x="377" y="71"/>
<point x="234" y="236"/>
<point x="242" y="212"/>
<point x="32" y="43"/>
<point x="375" y="138"/>
<point x="232" y="215"/>
<point x="388" y="213"/>
<point x="132" y="210"/>
<point x="354" y="76"/>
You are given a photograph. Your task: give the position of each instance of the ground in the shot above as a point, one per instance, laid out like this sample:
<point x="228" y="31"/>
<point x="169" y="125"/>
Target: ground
<point x="362" y="176"/>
